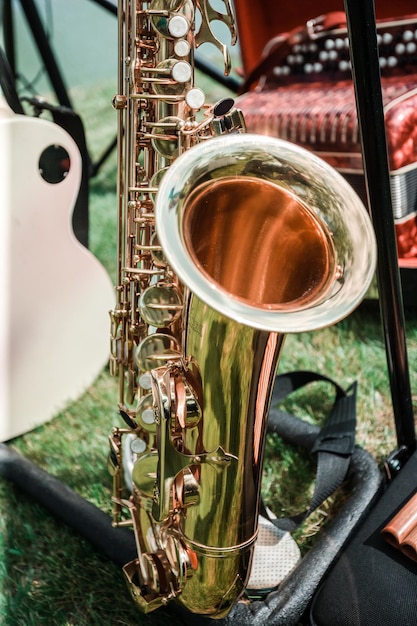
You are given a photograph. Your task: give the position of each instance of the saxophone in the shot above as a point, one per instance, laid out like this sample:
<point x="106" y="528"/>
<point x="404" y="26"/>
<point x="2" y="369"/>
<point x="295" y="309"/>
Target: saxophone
<point x="226" y="242"/>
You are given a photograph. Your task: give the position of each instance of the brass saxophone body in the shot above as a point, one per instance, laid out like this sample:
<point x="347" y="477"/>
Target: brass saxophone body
<point x="227" y="241"/>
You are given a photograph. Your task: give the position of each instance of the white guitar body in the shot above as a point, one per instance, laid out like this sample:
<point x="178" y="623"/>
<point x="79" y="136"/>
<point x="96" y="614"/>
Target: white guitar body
<point x="54" y="328"/>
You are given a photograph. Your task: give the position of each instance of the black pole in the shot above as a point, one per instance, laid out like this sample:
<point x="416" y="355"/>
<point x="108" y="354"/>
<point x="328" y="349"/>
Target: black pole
<point x="8" y="34"/>
<point x="360" y="15"/>
<point x="108" y="5"/>
<point x="48" y="58"/>
<point x="8" y="84"/>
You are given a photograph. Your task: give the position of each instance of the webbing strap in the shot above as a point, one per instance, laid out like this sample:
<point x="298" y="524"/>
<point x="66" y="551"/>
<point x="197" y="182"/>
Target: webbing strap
<point x="334" y="444"/>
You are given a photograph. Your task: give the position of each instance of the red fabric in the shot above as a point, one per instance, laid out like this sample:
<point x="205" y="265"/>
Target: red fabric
<point x="406" y="233"/>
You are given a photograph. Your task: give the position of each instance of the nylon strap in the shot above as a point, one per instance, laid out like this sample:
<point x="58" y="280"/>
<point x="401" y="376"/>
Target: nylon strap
<point x="334" y="444"/>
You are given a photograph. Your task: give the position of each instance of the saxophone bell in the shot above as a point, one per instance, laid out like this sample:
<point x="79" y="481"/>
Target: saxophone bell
<point x="266" y="233"/>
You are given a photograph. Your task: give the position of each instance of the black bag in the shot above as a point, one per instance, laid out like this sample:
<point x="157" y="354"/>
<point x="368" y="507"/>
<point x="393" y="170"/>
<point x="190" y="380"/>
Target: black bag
<point x="373" y="583"/>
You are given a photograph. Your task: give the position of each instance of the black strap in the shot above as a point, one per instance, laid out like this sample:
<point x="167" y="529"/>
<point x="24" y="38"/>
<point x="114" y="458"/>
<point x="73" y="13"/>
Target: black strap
<point x="334" y="445"/>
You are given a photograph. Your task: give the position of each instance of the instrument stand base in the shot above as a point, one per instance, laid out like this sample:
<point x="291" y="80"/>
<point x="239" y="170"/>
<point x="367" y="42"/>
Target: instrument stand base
<point x="286" y="604"/>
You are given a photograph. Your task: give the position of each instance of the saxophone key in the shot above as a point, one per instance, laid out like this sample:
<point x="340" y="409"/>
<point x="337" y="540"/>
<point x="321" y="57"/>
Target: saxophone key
<point x="145" y="413"/>
<point x="160" y="305"/>
<point x="156" y="350"/>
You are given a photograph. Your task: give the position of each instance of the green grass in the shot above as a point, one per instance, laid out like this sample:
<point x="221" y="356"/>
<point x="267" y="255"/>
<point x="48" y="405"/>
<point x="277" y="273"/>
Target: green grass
<point x="49" y="576"/>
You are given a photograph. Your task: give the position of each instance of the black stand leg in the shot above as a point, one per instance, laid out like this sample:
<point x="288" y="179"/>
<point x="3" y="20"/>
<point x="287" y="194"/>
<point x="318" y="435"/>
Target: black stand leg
<point x="366" y="74"/>
<point x="48" y="58"/>
<point x="283" y="607"/>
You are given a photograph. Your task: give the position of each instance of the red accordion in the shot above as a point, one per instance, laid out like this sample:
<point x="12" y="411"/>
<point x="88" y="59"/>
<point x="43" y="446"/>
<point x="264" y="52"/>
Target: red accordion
<point x="307" y="97"/>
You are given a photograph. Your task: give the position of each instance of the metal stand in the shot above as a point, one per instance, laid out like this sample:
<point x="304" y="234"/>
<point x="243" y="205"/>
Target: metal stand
<point x="283" y="607"/>
<point x="366" y="77"/>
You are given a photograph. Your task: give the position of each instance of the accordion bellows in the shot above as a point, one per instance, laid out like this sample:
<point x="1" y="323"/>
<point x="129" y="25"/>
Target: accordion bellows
<point x="322" y="117"/>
